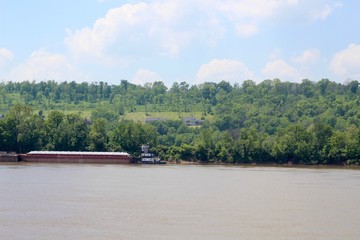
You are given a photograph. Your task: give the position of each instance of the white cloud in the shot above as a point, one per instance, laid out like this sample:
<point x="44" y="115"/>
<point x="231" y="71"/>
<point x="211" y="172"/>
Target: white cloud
<point x="5" y="56"/>
<point x="346" y="63"/>
<point x="167" y="27"/>
<point x="251" y="9"/>
<point x="43" y="65"/>
<point x="282" y="70"/>
<point x="229" y="70"/>
<point x="325" y="11"/>
<point x="132" y="26"/>
<point x="93" y="41"/>
<point x="143" y="76"/>
<point x="247" y="15"/>
<point x="309" y="56"/>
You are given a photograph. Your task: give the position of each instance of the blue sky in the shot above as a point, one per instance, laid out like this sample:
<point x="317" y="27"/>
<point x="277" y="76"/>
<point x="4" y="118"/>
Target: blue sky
<point x="179" y="40"/>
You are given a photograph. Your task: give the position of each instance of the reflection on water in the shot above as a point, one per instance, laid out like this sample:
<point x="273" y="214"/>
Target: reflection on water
<point x="177" y="202"/>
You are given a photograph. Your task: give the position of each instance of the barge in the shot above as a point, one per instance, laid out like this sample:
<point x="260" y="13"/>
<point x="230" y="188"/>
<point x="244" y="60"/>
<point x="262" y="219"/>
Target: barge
<point x="76" y="157"/>
<point x="8" y="157"/>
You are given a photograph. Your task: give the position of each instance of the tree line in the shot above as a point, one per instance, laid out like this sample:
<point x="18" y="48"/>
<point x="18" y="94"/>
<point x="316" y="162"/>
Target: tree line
<point x="22" y="130"/>
<point x="270" y="122"/>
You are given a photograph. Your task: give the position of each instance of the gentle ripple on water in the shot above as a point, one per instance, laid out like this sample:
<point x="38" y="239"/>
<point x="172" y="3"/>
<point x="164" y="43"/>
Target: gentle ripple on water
<point x="59" y="201"/>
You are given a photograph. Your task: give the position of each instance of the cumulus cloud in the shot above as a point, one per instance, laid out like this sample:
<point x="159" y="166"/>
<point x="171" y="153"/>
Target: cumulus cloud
<point x="167" y="27"/>
<point x="282" y="70"/>
<point x="143" y="76"/>
<point x="325" y="11"/>
<point x="43" y="65"/>
<point x="252" y="9"/>
<point x="247" y="16"/>
<point x="133" y="26"/>
<point x="309" y="56"/>
<point x="5" y="56"/>
<point x="226" y="69"/>
<point x="93" y="41"/>
<point x="346" y="63"/>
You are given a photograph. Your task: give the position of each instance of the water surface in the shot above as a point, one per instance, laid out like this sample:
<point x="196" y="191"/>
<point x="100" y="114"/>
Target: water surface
<point x="85" y="202"/>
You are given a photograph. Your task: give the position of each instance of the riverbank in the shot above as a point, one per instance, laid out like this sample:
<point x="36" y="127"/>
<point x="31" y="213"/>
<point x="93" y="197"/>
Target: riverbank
<point x="198" y="163"/>
<point x="12" y="159"/>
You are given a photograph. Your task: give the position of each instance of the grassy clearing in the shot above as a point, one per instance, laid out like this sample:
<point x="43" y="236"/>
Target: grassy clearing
<point x="85" y="114"/>
<point x="141" y="116"/>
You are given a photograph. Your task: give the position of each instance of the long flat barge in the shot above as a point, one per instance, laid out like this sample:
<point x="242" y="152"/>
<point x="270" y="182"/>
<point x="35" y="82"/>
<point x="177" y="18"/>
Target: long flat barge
<point x="8" y="157"/>
<point x="76" y="157"/>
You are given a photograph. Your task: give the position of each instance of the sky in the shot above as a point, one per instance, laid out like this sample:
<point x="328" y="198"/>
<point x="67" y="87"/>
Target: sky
<point x="195" y="41"/>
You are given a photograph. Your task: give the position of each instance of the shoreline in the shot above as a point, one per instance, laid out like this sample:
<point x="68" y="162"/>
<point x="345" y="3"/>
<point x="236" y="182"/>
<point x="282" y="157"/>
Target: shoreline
<point x="315" y="166"/>
<point x="185" y="163"/>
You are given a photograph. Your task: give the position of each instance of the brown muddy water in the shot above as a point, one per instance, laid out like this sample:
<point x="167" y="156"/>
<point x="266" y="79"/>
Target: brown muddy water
<point x="95" y="202"/>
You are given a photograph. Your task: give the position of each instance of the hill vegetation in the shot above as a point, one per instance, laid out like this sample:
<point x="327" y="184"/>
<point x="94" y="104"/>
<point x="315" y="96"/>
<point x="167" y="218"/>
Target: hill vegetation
<point x="269" y="122"/>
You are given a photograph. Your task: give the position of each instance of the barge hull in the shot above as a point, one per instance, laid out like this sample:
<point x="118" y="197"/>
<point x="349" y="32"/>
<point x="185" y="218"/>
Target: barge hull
<point x="8" y="157"/>
<point x="103" y="158"/>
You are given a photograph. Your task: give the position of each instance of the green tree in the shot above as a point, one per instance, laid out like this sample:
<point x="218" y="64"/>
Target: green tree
<point x="352" y="148"/>
<point x="129" y="136"/>
<point x="79" y="132"/>
<point x="322" y="133"/>
<point x="337" y="148"/>
<point x="98" y="135"/>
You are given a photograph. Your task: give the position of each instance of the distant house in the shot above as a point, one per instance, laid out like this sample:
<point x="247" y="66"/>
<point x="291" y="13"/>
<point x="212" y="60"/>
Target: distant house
<point x="149" y="120"/>
<point x="88" y="121"/>
<point x="192" y="121"/>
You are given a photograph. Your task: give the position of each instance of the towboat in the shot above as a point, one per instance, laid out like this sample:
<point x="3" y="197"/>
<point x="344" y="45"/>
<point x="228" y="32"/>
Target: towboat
<point x="149" y="158"/>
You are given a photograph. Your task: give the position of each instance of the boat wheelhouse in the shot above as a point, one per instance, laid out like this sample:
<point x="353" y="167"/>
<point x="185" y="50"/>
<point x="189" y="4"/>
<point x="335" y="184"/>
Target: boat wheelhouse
<point x="149" y="158"/>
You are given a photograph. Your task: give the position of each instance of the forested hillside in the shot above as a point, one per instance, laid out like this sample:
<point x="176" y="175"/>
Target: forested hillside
<point x="269" y="122"/>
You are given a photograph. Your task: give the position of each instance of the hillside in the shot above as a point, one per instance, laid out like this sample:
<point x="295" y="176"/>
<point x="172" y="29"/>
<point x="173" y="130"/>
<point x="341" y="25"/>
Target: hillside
<point x="272" y="121"/>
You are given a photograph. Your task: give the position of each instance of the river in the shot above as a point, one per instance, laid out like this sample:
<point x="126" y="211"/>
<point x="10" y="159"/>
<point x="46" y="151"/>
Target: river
<point x="101" y="202"/>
